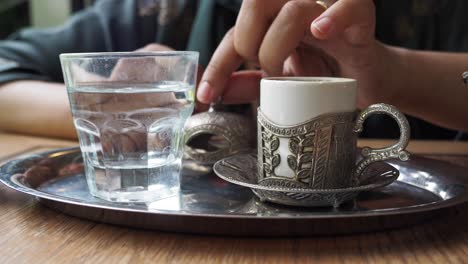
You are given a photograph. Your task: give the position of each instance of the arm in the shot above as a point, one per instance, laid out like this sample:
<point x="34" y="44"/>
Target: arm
<point x="42" y="108"/>
<point x="32" y="98"/>
<point x="37" y="108"/>
<point x="429" y="86"/>
<point x="30" y="102"/>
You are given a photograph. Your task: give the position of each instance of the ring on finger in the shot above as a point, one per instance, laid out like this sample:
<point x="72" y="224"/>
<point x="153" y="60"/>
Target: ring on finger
<point x="325" y="3"/>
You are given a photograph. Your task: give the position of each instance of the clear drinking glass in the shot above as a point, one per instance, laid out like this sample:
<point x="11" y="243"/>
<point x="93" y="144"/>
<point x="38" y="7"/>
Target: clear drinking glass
<point x="129" y="110"/>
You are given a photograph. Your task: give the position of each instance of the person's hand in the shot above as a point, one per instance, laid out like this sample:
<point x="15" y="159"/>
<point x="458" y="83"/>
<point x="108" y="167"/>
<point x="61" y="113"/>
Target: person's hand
<point x="298" y="38"/>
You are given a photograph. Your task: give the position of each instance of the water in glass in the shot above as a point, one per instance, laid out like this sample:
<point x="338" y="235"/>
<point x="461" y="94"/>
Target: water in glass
<point x="131" y="136"/>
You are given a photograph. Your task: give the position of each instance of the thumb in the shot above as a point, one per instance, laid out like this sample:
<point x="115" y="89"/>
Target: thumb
<point x="354" y="19"/>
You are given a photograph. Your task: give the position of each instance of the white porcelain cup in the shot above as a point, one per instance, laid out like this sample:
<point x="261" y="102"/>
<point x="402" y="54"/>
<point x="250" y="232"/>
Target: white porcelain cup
<point x="307" y="130"/>
<point x="291" y="100"/>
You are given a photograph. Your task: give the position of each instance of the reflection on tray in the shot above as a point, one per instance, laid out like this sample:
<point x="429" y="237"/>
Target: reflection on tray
<point x="59" y="174"/>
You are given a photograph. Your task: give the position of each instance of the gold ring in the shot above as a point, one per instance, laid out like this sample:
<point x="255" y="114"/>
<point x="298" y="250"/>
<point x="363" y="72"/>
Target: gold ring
<point x="324" y="3"/>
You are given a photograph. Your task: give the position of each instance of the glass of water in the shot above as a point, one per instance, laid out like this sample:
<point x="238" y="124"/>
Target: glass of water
<point x="129" y="110"/>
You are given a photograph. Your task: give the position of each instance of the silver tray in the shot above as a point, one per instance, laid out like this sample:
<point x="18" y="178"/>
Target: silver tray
<point x="208" y="205"/>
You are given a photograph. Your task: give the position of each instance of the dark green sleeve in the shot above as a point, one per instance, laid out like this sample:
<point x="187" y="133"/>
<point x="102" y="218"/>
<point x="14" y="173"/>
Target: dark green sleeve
<point x="107" y="26"/>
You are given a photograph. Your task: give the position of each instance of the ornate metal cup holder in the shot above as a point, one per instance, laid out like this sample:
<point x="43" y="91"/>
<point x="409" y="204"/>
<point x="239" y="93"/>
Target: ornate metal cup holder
<point x="241" y="169"/>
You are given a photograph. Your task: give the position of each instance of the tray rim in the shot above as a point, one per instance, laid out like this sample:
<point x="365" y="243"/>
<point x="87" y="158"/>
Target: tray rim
<point x="6" y="180"/>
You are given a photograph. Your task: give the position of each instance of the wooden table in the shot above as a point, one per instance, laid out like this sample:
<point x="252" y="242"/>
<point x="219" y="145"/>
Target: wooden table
<point x="32" y="233"/>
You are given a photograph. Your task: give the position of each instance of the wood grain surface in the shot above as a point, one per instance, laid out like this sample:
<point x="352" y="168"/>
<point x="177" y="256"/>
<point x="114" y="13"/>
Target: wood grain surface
<point x="32" y="233"/>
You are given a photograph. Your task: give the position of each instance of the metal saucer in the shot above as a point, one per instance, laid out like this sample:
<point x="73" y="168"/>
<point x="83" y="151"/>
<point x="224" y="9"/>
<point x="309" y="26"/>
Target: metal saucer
<point x="241" y="169"/>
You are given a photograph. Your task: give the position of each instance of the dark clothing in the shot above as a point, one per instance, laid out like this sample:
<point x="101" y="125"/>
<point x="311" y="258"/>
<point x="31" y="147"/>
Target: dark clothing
<point x="438" y="25"/>
<point x="126" y="25"/>
<point x="112" y="25"/>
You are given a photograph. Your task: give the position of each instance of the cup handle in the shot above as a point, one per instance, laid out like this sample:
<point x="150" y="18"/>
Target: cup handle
<point x="394" y="151"/>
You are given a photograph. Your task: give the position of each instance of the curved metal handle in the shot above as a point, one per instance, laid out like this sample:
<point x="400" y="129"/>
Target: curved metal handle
<point x="394" y="151"/>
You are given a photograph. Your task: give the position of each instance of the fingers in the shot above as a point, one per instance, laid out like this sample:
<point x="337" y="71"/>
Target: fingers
<point x="242" y="87"/>
<point x="246" y="42"/>
<point x="255" y="17"/>
<point x="257" y="38"/>
<point x="286" y="33"/>
<point x="223" y="63"/>
<point x="356" y="16"/>
<point x="253" y="21"/>
<point x="199" y="107"/>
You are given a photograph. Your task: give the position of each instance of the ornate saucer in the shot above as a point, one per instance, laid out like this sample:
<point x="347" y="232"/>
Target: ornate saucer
<point x="241" y="169"/>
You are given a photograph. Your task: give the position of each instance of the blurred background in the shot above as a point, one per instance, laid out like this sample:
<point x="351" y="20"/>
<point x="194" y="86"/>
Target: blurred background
<point x="16" y="14"/>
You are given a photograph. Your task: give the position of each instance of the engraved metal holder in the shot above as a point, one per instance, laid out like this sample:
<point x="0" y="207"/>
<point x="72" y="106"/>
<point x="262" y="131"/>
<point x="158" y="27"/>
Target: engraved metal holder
<point x="321" y="151"/>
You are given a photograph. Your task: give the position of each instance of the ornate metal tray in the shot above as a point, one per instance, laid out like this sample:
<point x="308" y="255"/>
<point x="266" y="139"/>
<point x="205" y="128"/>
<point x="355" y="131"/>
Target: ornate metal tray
<point x="210" y="205"/>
